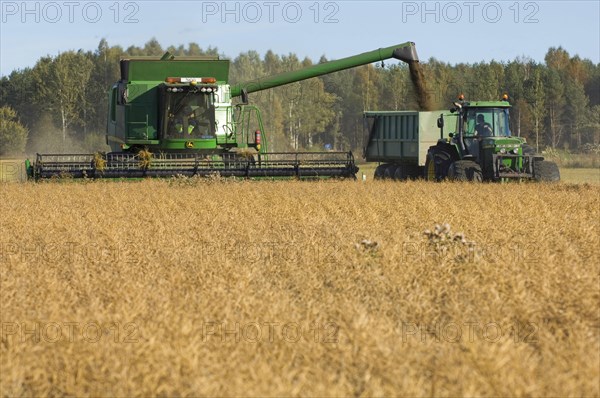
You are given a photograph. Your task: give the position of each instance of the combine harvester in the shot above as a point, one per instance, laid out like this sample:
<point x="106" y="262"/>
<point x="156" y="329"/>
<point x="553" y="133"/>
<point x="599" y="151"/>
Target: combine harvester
<point x="169" y="117"/>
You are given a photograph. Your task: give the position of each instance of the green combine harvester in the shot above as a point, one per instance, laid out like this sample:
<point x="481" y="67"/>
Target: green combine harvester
<point x="176" y="116"/>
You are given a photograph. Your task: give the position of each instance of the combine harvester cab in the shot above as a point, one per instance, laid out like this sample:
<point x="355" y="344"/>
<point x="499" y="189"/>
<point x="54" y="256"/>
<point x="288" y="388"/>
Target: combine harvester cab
<point x="169" y="117"/>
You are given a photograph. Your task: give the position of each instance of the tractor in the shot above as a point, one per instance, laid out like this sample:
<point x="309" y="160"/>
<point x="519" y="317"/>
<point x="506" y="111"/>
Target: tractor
<point x="481" y="147"/>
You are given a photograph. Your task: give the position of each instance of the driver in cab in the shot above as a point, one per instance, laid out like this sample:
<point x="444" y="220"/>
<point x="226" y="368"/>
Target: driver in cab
<point x="185" y="123"/>
<point x="482" y="128"/>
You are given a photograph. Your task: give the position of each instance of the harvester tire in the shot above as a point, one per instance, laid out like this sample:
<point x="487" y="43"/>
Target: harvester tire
<point x="545" y="171"/>
<point x="465" y="170"/>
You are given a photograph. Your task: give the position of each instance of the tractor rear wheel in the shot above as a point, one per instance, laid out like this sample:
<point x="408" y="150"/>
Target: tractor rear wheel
<point x="437" y="165"/>
<point x="545" y="171"/>
<point x="465" y="170"/>
<point x="429" y="169"/>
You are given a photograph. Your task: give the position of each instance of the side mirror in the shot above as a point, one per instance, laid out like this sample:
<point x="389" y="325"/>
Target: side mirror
<point x="244" y="96"/>
<point x="440" y="122"/>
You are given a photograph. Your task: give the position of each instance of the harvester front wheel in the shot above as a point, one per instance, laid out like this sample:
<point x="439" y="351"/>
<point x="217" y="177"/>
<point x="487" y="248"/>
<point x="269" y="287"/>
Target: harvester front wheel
<point x="545" y="171"/>
<point x="465" y="170"/>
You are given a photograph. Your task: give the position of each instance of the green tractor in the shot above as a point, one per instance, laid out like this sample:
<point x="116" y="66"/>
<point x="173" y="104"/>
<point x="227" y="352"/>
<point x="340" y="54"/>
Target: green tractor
<point x="482" y="147"/>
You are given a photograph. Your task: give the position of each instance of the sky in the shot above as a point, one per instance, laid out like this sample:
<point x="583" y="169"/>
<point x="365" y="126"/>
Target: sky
<point x="451" y="31"/>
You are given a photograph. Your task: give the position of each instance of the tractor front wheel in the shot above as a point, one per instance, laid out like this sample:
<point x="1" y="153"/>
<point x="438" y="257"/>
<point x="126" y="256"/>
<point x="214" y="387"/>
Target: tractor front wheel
<point x="528" y="150"/>
<point x="465" y="170"/>
<point x="545" y="171"/>
<point x="437" y="165"/>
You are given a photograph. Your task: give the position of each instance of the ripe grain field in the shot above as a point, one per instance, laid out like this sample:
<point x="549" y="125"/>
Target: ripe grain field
<point x="331" y="288"/>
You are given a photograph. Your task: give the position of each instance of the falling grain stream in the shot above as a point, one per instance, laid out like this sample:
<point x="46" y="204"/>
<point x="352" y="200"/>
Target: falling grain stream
<point x="418" y="79"/>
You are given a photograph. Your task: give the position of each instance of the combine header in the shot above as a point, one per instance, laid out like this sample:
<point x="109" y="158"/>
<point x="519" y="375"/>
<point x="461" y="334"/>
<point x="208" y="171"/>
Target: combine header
<point x="167" y="164"/>
<point x="169" y="117"/>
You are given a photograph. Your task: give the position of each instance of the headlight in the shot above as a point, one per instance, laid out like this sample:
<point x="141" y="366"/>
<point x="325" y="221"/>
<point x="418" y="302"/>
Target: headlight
<point x="503" y="150"/>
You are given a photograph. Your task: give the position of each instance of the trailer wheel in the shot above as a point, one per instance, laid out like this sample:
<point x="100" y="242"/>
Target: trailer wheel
<point x="545" y="171"/>
<point x="390" y="171"/>
<point x="407" y="172"/>
<point x="379" y="171"/>
<point x="465" y="170"/>
<point x="400" y="173"/>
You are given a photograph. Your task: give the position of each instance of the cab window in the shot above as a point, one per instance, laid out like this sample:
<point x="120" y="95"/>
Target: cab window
<point x="486" y="122"/>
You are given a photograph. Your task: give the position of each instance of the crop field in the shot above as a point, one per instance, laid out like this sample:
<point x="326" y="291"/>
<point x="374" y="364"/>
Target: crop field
<point x="327" y="288"/>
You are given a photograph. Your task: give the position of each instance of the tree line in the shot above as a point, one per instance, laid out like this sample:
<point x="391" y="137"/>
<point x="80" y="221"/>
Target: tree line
<point x="60" y="104"/>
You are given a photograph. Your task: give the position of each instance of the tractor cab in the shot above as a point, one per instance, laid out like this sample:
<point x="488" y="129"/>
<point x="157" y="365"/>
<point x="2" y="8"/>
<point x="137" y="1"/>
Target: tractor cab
<point x="479" y="125"/>
<point x="482" y="125"/>
<point x="477" y="120"/>
<point x="485" y="122"/>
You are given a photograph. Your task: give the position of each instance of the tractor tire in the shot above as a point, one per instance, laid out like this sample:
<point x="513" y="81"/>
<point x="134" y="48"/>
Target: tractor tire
<point x="545" y="171"/>
<point x="437" y="165"/>
<point x="465" y="170"/>
<point x="429" y="173"/>
<point x="528" y="150"/>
